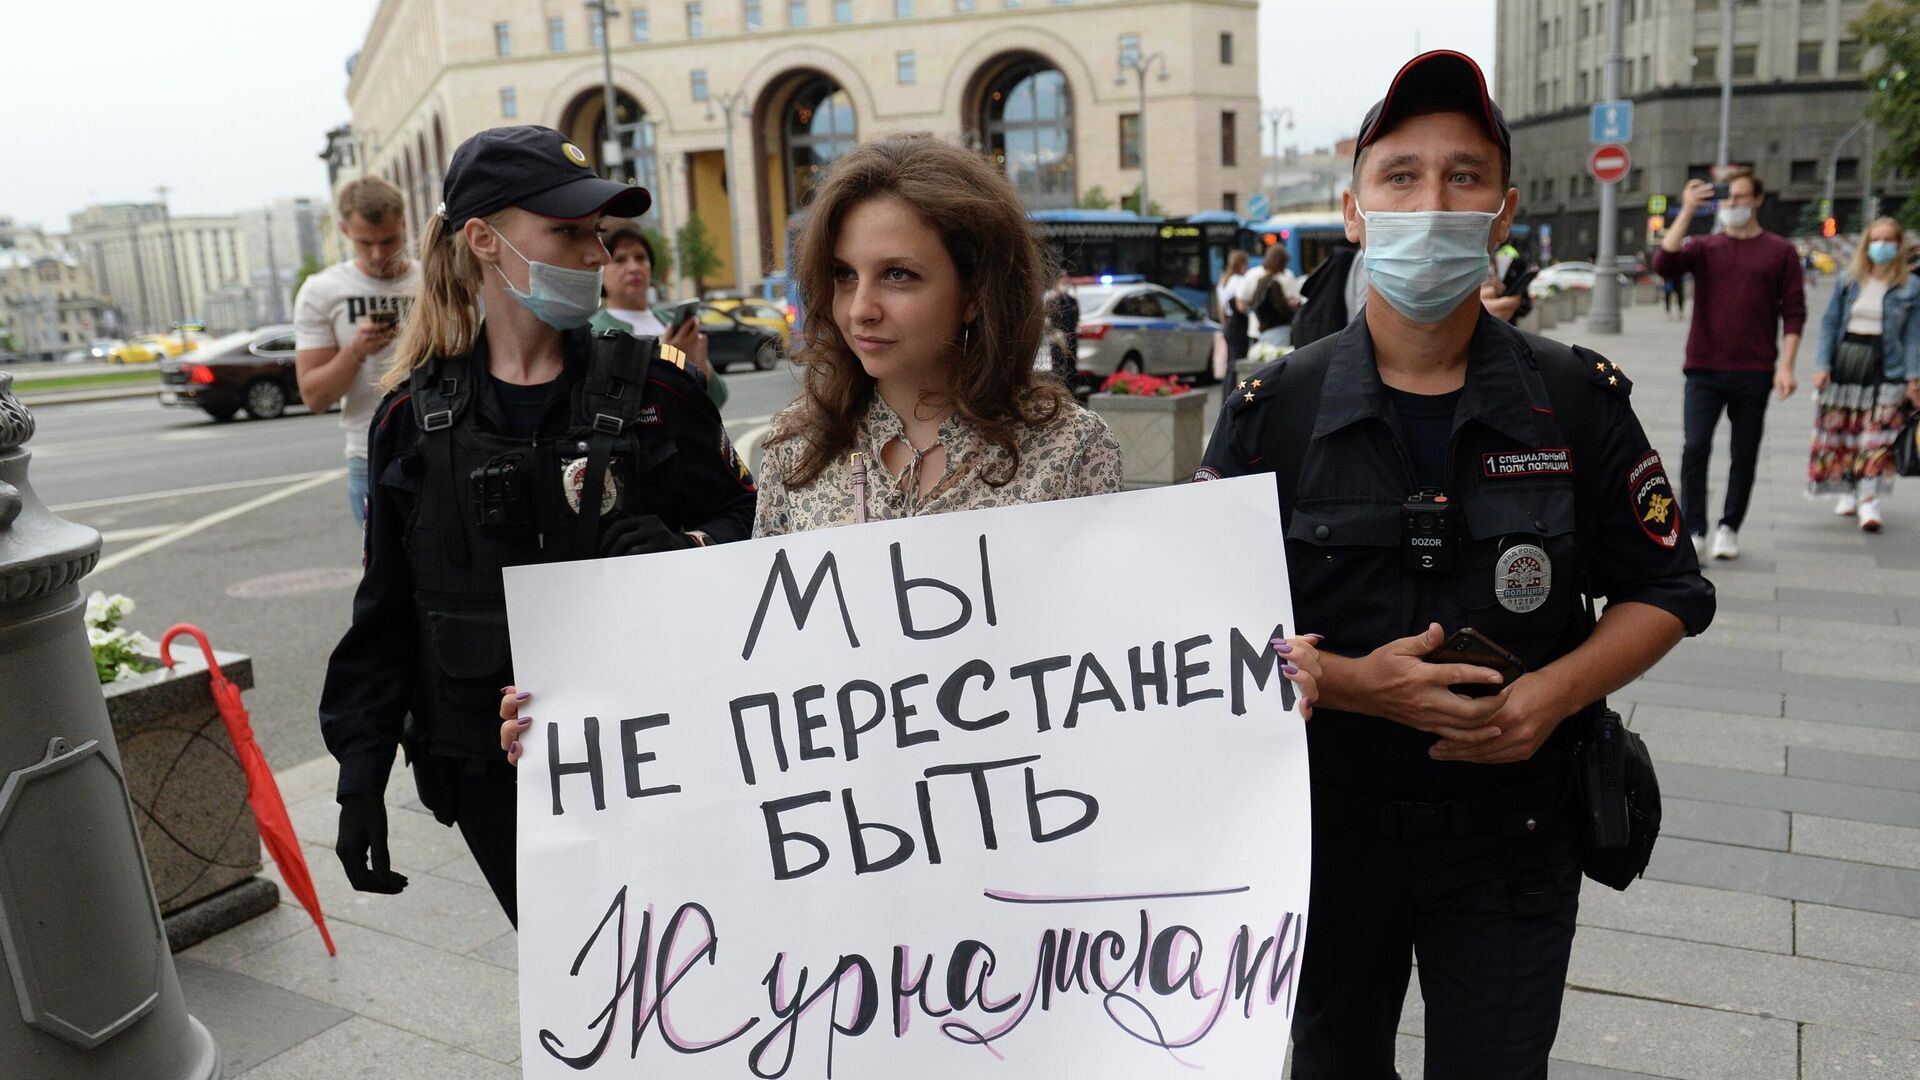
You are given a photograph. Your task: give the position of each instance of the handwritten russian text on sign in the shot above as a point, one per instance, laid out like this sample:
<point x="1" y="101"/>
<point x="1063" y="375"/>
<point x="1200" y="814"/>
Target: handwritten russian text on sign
<point x="1002" y="793"/>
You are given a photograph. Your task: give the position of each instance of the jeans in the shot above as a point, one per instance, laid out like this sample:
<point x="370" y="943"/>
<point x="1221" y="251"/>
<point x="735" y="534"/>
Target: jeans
<point x="1743" y="395"/>
<point x="357" y="490"/>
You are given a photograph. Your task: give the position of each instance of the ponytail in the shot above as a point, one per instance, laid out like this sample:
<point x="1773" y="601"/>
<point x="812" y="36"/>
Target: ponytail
<point x="445" y="320"/>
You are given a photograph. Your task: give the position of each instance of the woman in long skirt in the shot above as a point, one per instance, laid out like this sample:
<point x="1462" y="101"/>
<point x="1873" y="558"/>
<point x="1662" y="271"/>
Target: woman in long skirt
<point x="1867" y="367"/>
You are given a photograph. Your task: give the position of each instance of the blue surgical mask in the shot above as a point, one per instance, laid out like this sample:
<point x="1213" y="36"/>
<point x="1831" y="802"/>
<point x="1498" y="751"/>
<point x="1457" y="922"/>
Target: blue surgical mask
<point x="561" y="298"/>
<point x="1882" y="252"/>
<point x="1427" y="262"/>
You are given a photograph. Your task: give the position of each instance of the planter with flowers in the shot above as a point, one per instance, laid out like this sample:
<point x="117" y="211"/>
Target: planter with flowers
<point x="189" y="795"/>
<point x="1159" y="423"/>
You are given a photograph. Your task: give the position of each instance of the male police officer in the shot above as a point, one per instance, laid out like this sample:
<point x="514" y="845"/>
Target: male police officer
<point x="1429" y="486"/>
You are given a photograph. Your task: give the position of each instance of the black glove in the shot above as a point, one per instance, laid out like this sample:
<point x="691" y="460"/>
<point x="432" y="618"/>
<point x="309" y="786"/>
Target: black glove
<point x="363" y="831"/>
<point x="642" y="535"/>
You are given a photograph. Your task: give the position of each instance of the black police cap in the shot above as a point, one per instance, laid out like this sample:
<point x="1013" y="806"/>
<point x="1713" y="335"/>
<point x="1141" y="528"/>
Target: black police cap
<point x="534" y="168"/>
<point x="1441" y="80"/>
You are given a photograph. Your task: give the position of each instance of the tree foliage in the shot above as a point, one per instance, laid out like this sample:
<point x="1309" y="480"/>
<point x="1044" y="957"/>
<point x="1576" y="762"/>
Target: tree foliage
<point x="1893" y="83"/>
<point x="697" y="253"/>
<point x="307" y="269"/>
<point x="662" y="255"/>
<point x="1095" y="198"/>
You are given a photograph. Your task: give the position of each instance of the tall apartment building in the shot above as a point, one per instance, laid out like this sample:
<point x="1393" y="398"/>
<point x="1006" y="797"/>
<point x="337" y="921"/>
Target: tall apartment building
<point x="158" y="269"/>
<point x="1797" y="91"/>
<point x="1037" y="84"/>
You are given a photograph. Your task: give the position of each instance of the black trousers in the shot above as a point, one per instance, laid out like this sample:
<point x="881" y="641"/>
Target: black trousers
<point x="1743" y="396"/>
<point x="479" y="795"/>
<point x="1492" y="969"/>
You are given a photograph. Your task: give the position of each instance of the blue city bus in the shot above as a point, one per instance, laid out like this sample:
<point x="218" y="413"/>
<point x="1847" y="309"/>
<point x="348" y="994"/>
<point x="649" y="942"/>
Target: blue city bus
<point x="1184" y="254"/>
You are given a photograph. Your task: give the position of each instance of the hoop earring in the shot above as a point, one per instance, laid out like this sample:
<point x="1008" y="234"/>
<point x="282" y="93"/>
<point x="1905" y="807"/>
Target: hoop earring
<point x="966" y="337"/>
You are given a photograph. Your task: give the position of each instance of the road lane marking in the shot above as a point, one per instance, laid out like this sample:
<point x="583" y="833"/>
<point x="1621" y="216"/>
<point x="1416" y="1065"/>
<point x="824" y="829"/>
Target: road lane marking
<point x="121" y="536"/>
<point x="203" y="489"/>
<point x="208" y="522"/>
<point x="749" y="442"/>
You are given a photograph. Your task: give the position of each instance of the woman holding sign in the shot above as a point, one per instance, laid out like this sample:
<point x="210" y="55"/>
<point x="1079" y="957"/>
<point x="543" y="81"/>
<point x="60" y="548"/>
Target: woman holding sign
<point x="921" y="395"/>
<point x="506" y="439"/>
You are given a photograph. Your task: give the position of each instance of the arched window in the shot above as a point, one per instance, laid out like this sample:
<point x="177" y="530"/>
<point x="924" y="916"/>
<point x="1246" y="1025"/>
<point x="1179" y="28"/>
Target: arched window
<point x="818" y="129"/>
<point x="1029" y="129"/>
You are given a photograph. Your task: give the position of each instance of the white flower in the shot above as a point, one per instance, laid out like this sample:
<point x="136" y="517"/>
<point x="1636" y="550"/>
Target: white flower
<point x="126" y="671"/>
<point x="97" y="636"/>
<point x="141" y="643"/>
<point x="96" y="608"/>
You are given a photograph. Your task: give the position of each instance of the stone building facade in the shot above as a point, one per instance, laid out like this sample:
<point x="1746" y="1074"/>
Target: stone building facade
<point x="1797" y="91"/>
<point x="158" y="269"/>
<point x="1037" y="84"/>
<point x="48" y="303"/>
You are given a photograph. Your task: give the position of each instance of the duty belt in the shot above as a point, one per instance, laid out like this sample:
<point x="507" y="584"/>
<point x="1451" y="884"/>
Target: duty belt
<point x="1519" y="809"/>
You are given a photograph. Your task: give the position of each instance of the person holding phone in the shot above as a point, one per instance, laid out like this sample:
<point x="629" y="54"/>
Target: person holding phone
<point x="1444" y="516"/>
<point x="1749" y="306"/>
<point x="347" y="318"/>
<point x="628" y="283"/>
<point x="511" y="434"/>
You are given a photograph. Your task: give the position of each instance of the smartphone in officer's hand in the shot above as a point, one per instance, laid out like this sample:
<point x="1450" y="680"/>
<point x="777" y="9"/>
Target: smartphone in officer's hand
<point x="1469" y="646"/>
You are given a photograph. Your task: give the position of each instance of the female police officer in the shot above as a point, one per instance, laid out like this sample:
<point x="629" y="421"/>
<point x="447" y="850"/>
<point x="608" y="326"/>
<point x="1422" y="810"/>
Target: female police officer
<point x="508" y="438"/>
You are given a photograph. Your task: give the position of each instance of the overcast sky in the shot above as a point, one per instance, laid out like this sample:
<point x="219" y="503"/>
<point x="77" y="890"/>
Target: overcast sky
<point x="227" y="101"/>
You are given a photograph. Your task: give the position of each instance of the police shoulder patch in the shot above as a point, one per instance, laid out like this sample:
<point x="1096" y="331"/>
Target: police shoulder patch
<point x="1651" y="495"/>
<point x="1603" y="373"/>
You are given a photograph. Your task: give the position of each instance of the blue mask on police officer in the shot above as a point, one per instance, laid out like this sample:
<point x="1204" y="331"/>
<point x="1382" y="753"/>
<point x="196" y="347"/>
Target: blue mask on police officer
<point x="1424" y="263"/>
<point x="563" y="299"/>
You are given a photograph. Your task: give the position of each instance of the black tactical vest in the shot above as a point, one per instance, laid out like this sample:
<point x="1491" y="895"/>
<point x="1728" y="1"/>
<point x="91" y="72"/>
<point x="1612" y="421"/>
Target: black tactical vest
<point x="487" y="502"/>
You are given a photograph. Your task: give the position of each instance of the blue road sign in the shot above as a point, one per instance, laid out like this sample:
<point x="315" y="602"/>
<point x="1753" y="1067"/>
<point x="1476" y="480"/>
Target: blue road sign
<point x="1612" y="122"/>
<point x="1257" y="207"/>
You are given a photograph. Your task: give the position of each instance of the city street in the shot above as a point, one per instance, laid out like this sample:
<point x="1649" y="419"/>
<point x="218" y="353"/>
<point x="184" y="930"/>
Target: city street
<point x="242" y="529"/>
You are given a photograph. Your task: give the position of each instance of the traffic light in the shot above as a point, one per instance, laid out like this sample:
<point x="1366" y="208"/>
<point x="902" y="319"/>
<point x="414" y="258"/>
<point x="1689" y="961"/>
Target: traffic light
<point x="1656" y="223"/>
<point x="1829" y="227"/>
<point x="1269" y="239"/>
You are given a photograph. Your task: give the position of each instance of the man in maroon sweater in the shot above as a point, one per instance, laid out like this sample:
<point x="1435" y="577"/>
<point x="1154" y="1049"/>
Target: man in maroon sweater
<point x="1747" y="290"/>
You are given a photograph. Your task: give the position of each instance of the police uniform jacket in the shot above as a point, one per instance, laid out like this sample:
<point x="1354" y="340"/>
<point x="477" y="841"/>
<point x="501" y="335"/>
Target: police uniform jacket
<point x="1513" y="476"/>
<point x="428" y="632"/>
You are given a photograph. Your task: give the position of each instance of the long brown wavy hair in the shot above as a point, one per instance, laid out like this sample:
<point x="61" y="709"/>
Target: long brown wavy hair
<point x="978" y="216"/>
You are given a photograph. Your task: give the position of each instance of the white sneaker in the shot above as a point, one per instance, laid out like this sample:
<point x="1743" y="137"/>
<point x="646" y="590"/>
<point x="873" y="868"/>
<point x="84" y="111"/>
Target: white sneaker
<point x="1700" y="546"/>
<point x="1847" y="505"/>
<point x="1870" y="515"/>
<point x="1726" y="543"/>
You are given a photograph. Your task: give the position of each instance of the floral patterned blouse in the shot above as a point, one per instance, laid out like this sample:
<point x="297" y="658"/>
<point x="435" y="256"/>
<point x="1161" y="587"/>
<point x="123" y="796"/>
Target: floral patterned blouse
<point x="1072" y="456"/>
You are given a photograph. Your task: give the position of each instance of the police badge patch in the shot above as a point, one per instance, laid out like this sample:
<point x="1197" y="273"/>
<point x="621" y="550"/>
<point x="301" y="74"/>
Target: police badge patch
<point x="1522" y="578"/>
<point x="1651" y="494"/>
<point x="573" y="481"/>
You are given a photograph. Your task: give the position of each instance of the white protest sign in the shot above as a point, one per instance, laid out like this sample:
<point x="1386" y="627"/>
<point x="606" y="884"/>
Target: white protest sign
<point x="1016" y="793"/>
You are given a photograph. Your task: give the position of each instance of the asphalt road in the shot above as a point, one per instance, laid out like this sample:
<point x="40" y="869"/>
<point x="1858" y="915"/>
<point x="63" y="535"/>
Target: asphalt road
<point x="243" y="529"/>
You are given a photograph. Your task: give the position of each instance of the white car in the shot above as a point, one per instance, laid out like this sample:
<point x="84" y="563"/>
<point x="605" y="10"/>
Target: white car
<point x="1569" y="276"/>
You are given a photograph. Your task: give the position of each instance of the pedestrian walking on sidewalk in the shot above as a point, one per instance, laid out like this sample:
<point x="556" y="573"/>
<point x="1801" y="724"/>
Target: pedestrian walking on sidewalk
<point x="629" y="280"/>
<point x="510" y="435"/>
<point x="1866" y="369"/>
<point x="347" y="317"/>
<point x="1233" y="317"/>
<point x="1673" y="297"/>
<point x="1748" y="293"/>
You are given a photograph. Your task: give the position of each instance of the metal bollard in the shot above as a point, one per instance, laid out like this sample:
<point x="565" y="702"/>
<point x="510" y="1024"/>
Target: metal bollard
<point x="91" y="990"/>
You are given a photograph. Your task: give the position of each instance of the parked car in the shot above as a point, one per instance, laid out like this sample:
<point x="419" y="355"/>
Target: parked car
<point x="758" y="313"/>
<point x="75" y="356"/>
<point x="732" y="339"/>
<point x="1141" y="327"/>
<point x="251" y="370"/>
<point x="99" y="349"/>
<point x="1574" y="276"/>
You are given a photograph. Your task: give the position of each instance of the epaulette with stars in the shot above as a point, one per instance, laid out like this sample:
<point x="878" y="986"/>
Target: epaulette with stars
<point x="1604" y="373"/>
<point x="1256" y="387"/>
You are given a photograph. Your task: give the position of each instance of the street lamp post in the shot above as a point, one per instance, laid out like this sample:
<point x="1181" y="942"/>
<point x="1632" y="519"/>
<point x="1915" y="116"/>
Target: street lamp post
<point x="1273" y="117"/>
<point x="173" y="262"/>
<point x="1833" y="166"/>
<point x="1139" y="64"/>
<point x="612" y="154"/>
<point x="1605" y="316"/>
<point x="1723" y="158"/>
<point x="729" y="104"/>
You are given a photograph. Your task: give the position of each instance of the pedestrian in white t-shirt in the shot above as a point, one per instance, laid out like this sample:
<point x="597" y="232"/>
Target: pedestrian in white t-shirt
<point x="347" y="317"/>
<point x="1274" y="264"/>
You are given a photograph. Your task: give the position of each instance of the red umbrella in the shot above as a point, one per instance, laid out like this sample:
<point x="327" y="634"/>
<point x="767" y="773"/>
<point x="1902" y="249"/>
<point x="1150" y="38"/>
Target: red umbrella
<point x="269" y="809"/>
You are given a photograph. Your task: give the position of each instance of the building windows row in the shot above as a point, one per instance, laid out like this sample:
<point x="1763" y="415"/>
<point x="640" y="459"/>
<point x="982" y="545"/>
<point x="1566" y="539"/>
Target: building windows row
<point x="903" y="67"/>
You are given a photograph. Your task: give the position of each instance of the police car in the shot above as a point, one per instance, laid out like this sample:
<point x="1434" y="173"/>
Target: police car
<point x="1139" y="326"/>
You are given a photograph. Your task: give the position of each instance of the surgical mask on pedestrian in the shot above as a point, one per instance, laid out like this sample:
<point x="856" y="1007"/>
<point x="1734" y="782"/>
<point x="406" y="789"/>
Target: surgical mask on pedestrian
<point x="563" y="299"/>
<point x="1426" y="262"/>
<point x="1735" y="217"/>
<point x="1882" y="252"/>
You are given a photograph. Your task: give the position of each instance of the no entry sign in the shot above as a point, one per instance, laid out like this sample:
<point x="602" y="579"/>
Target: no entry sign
<point x="1609" y="163"/>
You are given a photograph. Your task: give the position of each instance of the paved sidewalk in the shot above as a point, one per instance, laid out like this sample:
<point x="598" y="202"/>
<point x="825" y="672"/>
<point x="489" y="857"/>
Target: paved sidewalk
<point x="1777" y="934"/>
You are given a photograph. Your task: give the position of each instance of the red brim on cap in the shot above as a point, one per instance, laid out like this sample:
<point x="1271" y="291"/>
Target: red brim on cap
<point x="589" y="195"/>
<point x="1442" y="76"/>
